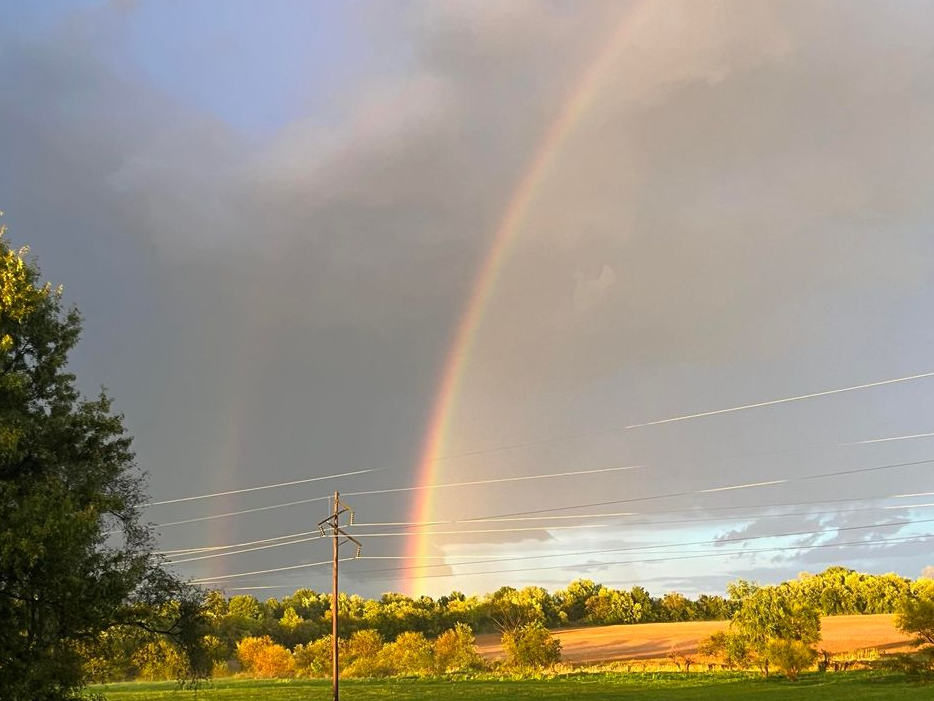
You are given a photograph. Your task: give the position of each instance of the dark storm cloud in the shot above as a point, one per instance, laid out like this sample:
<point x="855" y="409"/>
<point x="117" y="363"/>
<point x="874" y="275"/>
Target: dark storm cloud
<point x="267" y="308"/>
<point x="741" y="212"/>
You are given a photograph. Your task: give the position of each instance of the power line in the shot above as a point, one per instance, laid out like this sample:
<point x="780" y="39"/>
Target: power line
<point x="317" y="536"/>
<point x="406" y="534"/>
<point x="600" y="432"/>
<point x="519" y="516"/>
<point x="909" y="506"/>
<point x="267" y="586"/>
<point x="264" y="486"/>
<point x="721" y="553"/>
<point x="697" y="492"/>
<point x="376" y="524"/>
<point x="785" y="400"/>
<point x="300" y="536"/>
<point x="520" y="478"/>
<point x="211" y="517"/>
<point x="604" y="551"/>
<point x="305" y="565"/>
<point x="889" y="439"/>
<point x="593" y="552"/>
<point x="211" y="548"/>
<point x="726" y="518"/>
<point x="671" y="559"/>
<point x="496" y="480"/>
<point x="238" y="513"/>
<point x="583" y="565"/>
<point x="706" y="509"/>
<point x="405" y="557"/>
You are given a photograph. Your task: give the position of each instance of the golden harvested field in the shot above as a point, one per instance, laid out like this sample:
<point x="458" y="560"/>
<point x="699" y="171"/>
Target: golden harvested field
<point x="651" y="641"/>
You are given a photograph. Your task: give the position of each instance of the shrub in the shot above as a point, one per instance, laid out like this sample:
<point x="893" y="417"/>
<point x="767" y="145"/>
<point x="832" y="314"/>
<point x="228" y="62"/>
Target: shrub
<point x="361" y="657"/>
<point x="314" y="659"/>
<point x="531" y="645"/>
<point x="915" y="665"/>
<point x="730" y="648"/>
<point x="363" y="643"/>
<point x="263" y="658"/>
<point x="790" y="656"/>
<point x="915" y="615"/>
<point x="219" y="669"/>
<point x="158" y="660"/>
<point x="411" y="653"/>
<point x="456" y="650"/>
<point x="109" y="656"/>
<point x="215" y="648"/>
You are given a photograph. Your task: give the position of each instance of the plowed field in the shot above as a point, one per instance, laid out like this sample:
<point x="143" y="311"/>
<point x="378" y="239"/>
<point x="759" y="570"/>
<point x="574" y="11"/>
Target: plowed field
<point x="649" y="641"/>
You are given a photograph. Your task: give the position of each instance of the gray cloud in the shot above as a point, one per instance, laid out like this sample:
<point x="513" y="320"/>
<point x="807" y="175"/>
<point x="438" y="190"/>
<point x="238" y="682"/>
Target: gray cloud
<point x="742" y="208"/>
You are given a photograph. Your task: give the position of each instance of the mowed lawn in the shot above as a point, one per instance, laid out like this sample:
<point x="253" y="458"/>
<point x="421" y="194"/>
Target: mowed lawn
<point x="847" y="686"/>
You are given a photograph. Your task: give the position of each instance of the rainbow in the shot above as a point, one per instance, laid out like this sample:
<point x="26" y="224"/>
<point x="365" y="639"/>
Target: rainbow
<point x="484" y="286"/>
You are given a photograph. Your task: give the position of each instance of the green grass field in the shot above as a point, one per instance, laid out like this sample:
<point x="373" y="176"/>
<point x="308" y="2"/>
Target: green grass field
<point x="595" y="687"/>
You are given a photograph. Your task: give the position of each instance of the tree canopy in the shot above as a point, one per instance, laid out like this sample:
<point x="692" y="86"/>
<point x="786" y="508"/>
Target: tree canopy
<point x="75" y="559"/>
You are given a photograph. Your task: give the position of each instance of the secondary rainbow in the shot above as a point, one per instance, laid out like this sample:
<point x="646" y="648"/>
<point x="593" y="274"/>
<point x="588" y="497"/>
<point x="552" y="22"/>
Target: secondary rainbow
<point x="484" y="286"/>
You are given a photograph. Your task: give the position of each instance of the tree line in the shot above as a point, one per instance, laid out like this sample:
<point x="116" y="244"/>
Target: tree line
<point x="295" y="629"/>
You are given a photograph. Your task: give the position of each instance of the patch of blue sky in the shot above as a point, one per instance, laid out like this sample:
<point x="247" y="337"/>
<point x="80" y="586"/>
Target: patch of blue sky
<point x="256" y="66"/>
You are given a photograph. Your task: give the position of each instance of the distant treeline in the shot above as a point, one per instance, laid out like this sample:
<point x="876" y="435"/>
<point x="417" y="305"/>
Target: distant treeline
<point x="305" y="616"/>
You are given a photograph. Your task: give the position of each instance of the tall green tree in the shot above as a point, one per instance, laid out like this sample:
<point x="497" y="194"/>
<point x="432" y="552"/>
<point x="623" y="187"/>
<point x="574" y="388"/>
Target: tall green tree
<point x="777" y="627"/>
<point x="75" y="559"/>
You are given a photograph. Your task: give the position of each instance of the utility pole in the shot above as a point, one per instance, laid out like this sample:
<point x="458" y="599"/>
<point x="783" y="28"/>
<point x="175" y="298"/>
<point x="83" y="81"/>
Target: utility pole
<point x="332" y="522"/>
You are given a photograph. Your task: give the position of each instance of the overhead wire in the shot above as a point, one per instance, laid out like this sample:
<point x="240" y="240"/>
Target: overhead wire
<point x="784" y="400"/>
<point x="495" y="480"/>
<point x="889" y="524"/>
<point x="196" y="557"/>
<point x="211" y="548"/>
<point x="697" y="492"/>
<point x="687" y="510"/>
<point x="265" y="486"/>
<point x="531" y="513"/>
<point x="318" y="536"/>
<point x="300" y="537"/>
<point x="201" y="519"/>
<point x="629" y="427"/>
<point x="685" y="417"/>
<point x="699" y="542"/>
<point x="590" y="565"/>
<point x="305" y="565"/>
<point x="718" y="519"/>
<point x="709" y="554"/>
<point x="889" y="439"/>
<point x="214" y="517"/>
<point x="604" y="551"/>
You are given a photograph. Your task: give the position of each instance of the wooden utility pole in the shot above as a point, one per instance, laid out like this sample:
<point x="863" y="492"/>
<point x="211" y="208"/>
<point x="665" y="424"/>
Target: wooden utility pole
<point x="332" y="522"/>
<point x="335" y="667"/>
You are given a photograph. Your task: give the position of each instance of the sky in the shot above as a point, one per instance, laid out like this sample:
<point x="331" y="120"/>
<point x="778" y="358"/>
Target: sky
<point x="470" y="241"/>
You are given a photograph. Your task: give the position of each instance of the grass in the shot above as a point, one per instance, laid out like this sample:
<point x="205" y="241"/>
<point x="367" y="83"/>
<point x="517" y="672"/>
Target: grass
<point x="593" y="687"/>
